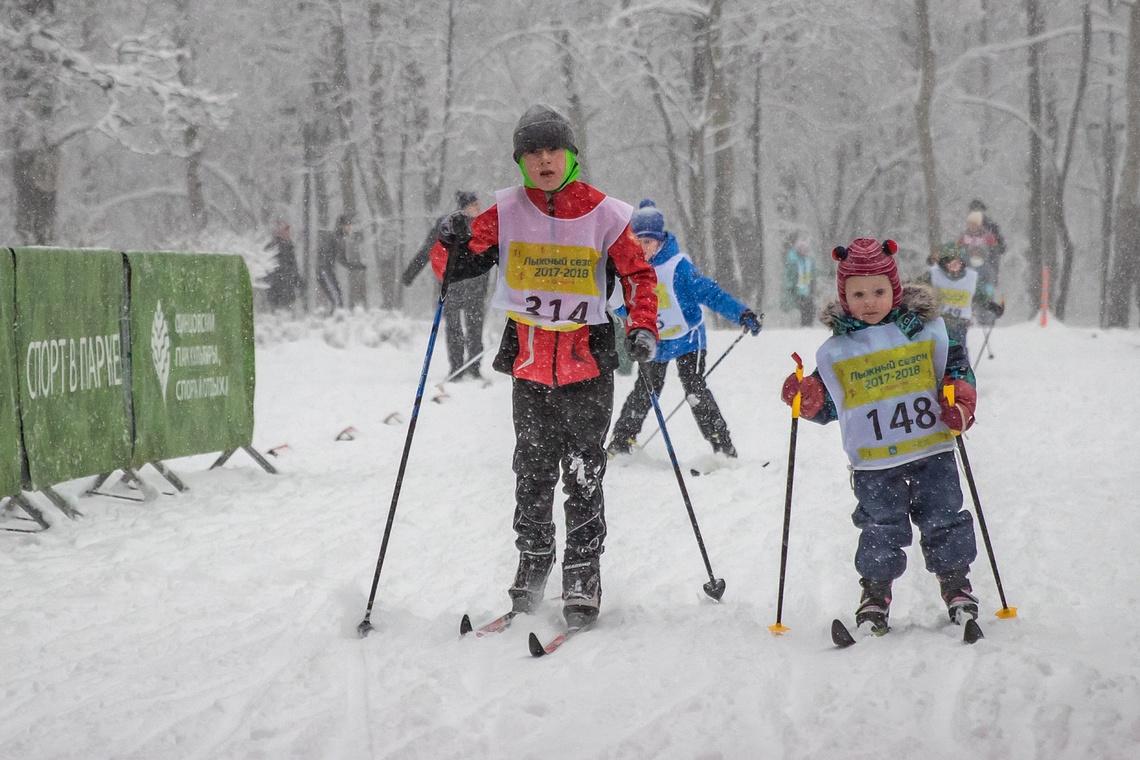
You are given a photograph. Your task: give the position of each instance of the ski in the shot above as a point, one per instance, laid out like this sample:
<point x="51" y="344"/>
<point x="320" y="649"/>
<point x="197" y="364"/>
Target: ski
<point x="498" y="625"/>
<point x="538" y="649"/>
<point x="842" y="638"/>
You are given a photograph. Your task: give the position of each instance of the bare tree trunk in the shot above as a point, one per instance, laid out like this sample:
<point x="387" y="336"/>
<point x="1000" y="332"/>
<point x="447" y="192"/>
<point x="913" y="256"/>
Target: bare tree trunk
<point x="35" y="164"/>
<point x="1126" y="265"/>
<point x="751" y="242"/>
<point x="987" y="117"/>
<point x="195" y="196"/>
<point x="1058" y="205"/>
<point x="922" y="120"/>
<point x="696" y="236"/>
<point x="577" y="113"/>
<point x="433" y="185"/>
<point x="341" y="91"/>
<point x="1108" y="159"/>
<point x="389" y="248"/>
<point x="1036" y="233"/>
<point x="724" y="163"/>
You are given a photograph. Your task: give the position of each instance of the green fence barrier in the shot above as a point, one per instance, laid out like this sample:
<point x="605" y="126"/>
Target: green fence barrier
<point x="11" y="457"/>
<point x="68" y="342"/>
<point x="192" y="358"/>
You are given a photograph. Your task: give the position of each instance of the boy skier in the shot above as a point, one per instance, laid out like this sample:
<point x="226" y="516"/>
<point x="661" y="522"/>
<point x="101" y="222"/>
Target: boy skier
<point x="882" y="374"/>
<point x="561" y="245"/>
<point x="681" y="291"/>
<point x="958" y="291"/>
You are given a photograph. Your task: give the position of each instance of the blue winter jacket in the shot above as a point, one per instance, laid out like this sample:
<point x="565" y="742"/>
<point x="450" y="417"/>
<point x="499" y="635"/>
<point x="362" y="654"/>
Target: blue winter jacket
<point x="693" y="290"/>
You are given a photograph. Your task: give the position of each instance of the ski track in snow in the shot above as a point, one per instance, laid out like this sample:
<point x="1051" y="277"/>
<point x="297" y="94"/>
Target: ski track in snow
<point x="221" y="623"/>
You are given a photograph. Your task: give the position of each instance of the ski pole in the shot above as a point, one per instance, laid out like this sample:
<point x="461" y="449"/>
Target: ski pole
<point x="1006" y="611"/>
<point x="459" y="371"/>
<point x="715" y="586"/>
<point x="985" y="346"/>
<point x="708" y="372"/>
<point x="778" y="628"/>
<point x="365" y="626"/>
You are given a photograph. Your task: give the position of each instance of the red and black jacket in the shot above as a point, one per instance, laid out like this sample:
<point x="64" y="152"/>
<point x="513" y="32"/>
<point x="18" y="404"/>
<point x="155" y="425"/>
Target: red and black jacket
<point x="553" y="357"/>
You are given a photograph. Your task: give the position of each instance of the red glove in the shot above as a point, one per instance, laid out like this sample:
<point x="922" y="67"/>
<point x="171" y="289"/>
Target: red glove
<point x="960" y="416"/>
<point x="811" y="394"/>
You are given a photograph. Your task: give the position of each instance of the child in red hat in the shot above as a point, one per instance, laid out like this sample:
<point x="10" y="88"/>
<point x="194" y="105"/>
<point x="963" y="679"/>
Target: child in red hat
<point x="881" y="375"/>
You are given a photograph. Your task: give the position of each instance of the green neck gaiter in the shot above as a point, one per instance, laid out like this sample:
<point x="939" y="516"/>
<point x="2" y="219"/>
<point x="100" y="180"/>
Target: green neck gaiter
<point x="571" y="171"/>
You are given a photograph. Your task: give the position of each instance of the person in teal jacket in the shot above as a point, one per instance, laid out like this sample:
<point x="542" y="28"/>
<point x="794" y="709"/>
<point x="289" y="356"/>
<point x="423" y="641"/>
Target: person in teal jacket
<point x="681" y="292"/>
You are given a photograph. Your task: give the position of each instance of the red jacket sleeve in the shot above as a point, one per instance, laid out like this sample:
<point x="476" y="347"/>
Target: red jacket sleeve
<point x="484" y="234"/>
<point x="638" y="282"/>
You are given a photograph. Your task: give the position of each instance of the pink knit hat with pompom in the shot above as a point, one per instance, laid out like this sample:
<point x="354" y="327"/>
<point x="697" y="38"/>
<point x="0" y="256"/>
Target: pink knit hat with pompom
<point x="867" y="257"/>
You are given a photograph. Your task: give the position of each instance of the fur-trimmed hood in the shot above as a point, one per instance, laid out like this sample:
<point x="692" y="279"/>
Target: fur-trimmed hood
<point x="916" y="297"/>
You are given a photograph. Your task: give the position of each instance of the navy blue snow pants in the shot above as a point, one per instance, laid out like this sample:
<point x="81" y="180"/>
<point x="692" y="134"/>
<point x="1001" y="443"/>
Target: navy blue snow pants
<point x="926" y="492"/>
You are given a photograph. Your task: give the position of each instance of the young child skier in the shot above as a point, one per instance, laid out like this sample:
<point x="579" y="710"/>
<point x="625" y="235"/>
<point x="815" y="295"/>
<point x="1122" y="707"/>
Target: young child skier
<point x="958" y="291"/>
<point x="882" y="374"/>
<point x="561" y="245"/>
<point x="681" y="292"/>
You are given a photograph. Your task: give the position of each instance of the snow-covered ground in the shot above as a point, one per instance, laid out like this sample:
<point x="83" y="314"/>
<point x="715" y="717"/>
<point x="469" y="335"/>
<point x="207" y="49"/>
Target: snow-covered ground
<point x="221" y="623"/>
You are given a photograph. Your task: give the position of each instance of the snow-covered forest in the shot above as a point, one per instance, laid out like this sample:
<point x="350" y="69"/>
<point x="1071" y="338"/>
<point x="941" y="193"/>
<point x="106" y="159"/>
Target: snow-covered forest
<point x="178" y="125"/>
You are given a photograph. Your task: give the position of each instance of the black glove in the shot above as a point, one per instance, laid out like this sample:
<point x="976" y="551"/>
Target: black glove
<point x="455" y="230"/>
<point x="641" y="345"/>
<point x="751" y="321"/>
<point x="995" y="308"/>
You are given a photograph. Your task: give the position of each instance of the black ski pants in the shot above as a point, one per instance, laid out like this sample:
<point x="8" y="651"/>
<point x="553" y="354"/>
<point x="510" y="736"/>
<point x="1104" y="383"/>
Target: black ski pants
<point x="463" y="316"/>
<point x="691" y="369"/>
<point x="561" y="428"/>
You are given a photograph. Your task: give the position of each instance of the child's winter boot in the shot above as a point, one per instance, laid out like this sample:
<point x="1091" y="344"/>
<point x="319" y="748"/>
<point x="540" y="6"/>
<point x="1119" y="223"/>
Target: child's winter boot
<point x="530" y="580"/>
<point x="581" y="590"/>
<point x="874" y="605"/>
<point x="961" y="604"/>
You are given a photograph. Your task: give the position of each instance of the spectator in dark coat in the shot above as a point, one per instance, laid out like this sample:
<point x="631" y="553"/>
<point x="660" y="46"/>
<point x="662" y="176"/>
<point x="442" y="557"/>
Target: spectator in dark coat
<point x="464" y="308"/>
<point x="332" y="249"/>
<point x="284" y="282"/>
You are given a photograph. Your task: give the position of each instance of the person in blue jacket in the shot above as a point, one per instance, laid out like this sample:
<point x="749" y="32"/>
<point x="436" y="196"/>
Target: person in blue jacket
<point x="681" y="292"/>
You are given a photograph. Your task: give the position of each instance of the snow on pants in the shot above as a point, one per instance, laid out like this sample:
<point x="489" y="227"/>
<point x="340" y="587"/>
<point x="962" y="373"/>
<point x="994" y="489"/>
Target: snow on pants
<point x="691" y="369"/>
<point x="463" y="316"/>
<point x="561" y="428"/>
<point x="926" y="492"/>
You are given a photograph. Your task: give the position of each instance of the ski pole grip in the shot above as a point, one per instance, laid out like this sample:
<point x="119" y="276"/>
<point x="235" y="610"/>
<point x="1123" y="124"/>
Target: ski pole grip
<point x="799" y="377"/>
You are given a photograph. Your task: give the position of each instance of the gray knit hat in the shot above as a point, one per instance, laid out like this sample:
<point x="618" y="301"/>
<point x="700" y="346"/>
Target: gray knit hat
<point x="542" y="127"/>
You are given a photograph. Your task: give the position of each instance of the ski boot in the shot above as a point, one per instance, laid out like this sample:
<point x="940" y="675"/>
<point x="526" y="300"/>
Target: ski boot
<point x="723" y="445"/>
<point x="874" y="605"/>
<point x="961" y="604"/>
<point x="620" y="446"/>
<point x="581" y="590"/>
<point x="530" y="580"/>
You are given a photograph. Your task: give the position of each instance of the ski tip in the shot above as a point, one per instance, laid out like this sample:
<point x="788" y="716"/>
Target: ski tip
<point x="536" y="648"/>
<point x="465" y="626"/>
<point x="840" y="636"/>
<point x="972" y="632"/>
